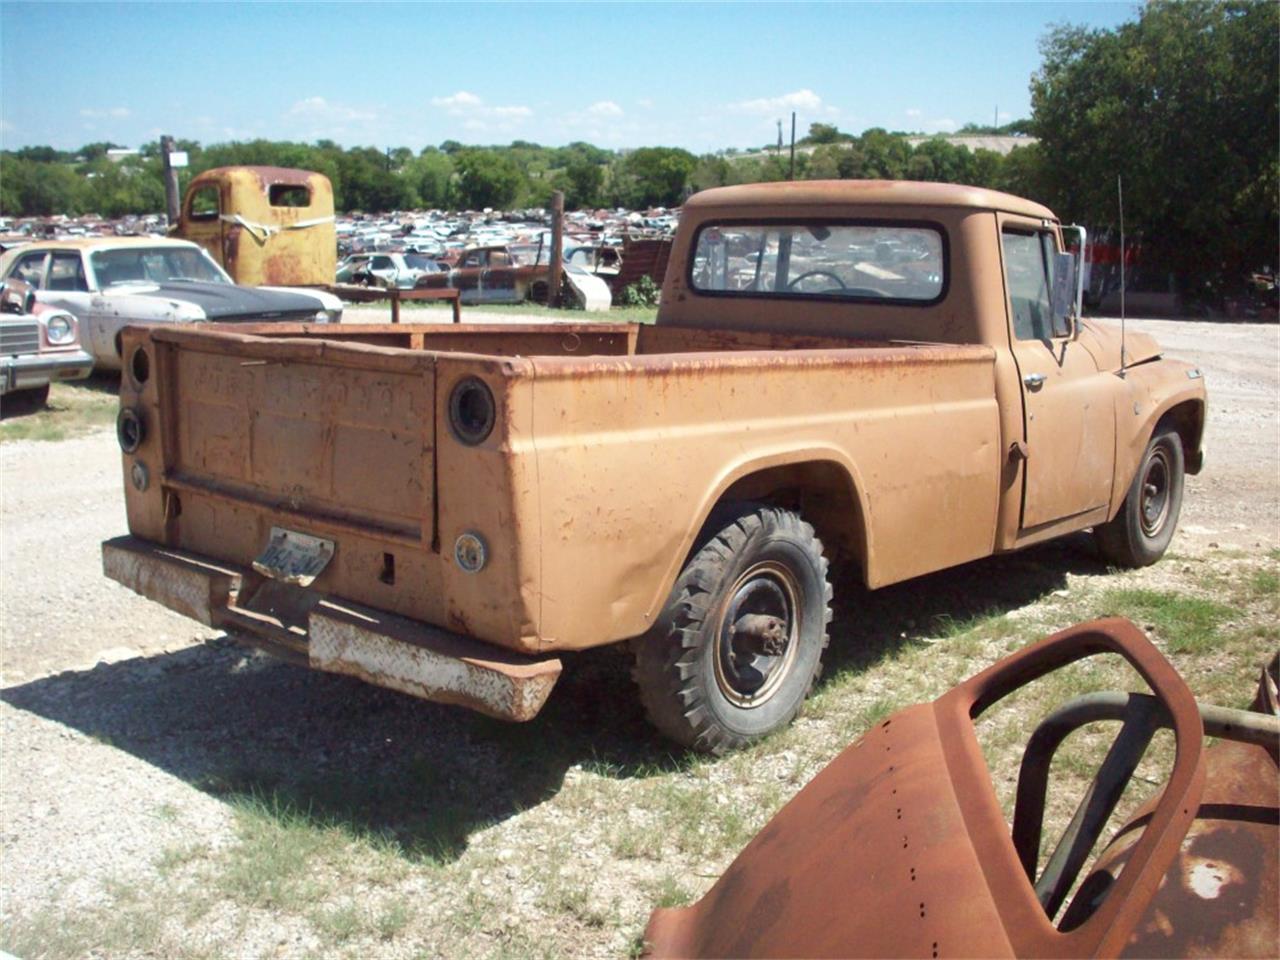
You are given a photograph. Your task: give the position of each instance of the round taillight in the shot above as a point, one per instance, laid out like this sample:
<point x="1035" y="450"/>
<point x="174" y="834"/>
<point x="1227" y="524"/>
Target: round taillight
<point x="471" y="411"/>
<point x="130" y="429"/>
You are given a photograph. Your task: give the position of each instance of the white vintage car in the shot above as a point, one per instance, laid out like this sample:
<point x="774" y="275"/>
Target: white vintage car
<point x="38" y="344"/>
<point x="111" y="282"/>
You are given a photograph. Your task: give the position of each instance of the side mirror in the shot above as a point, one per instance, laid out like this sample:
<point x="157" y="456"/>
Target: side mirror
<point x="1063" y="296"/>
<point x="1076" y="239"/>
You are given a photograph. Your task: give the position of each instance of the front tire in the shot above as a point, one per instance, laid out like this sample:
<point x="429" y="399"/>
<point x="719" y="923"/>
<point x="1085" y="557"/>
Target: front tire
<point x="1143" y="529"/>
<point x="739" y="645"/>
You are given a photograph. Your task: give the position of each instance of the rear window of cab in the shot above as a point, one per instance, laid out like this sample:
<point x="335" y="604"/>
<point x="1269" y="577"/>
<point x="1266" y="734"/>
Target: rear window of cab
<point x="827" y="260"/>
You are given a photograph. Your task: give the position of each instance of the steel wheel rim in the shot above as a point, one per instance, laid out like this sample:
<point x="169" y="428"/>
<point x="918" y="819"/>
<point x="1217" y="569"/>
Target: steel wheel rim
<point x="1154" y="503"/>
<point x="750" y="666"/>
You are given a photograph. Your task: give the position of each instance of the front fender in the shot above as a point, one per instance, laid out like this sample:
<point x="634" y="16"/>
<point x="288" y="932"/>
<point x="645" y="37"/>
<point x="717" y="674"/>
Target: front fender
<point x="1154" y="391"/>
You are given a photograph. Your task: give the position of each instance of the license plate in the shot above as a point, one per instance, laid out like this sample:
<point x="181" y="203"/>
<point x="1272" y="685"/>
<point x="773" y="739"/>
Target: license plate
<point x="296" y="558"/>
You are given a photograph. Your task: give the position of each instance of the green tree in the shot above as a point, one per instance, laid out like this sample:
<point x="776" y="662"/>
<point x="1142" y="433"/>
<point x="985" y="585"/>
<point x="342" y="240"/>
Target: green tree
<point x="584" y="179"/>
<point x="1182" y="104"/>
<point x="655" y="176"/>
<point x="486" y="178"/>
<point x="823" y="133"/>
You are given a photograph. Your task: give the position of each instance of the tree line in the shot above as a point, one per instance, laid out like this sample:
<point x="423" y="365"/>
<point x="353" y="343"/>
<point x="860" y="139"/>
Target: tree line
<point x="1181" y="103"/>
<point x="41" y="181"/>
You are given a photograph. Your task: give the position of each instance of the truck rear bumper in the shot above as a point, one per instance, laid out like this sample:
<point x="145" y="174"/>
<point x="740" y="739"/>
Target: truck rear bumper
<point x="337" y="636"/>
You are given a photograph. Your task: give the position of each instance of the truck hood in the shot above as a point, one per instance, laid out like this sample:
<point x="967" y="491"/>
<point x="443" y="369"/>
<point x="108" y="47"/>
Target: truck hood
<point x="225" y="301"/>
<point x="1102" y="340"/>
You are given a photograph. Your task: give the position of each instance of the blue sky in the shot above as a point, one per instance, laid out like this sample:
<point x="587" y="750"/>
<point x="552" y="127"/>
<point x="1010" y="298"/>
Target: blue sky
<point x="699" y="76"/>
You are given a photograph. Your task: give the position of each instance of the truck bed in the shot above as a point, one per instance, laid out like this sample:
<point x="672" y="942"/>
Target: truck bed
<point x="611" y="443"/>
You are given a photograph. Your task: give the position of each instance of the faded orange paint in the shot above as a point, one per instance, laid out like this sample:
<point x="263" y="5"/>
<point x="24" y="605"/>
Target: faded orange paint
<point x="612" y="443"/>
<point x="260" y="243"/>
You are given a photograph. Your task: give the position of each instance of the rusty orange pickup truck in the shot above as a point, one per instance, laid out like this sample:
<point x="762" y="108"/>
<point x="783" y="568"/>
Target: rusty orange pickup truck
<point x="897" y="373"/>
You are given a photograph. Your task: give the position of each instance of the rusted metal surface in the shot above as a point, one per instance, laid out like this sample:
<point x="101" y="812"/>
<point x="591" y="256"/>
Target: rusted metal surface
<point x="272" y="226"/>
<point x="886" y="427"/>
<point x="1221" y="897"/>
<point x="336" y="636"/>
<point x="496" y="274"/>
<point x="899" y="848"/>
<point x="429" y="663"/>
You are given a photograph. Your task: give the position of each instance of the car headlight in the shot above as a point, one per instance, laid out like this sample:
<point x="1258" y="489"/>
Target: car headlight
<point x="60" y="330"/>
<point x="328" y="316"/>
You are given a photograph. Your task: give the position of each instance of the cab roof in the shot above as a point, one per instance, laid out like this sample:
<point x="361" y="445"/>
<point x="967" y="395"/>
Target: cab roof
<point x="872" y="193"/>
<point x="99" y="243"/>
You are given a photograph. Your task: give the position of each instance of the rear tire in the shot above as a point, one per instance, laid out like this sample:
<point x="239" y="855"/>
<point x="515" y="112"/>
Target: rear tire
<point x="1143" y="529"/>
<point x="739" y="644"/>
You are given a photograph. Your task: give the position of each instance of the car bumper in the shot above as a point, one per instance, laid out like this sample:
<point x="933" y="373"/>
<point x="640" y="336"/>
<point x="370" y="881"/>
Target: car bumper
<point x="36" y="369"/>
<point x="337" y="636"/>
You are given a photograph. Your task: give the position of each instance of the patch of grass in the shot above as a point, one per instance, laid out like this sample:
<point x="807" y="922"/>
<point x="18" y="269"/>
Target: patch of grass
<point x="269" y="866"/>
<point x="1264" y="583"/>
<point x="391" y="921"/>
<point x="340" y="924"/>
<point x="668" y="891"/>
<point x="172" y="859"/>
<point x="74" y="409"/>
<point x="1187" y="624"/>
<point x="130" y="927"/>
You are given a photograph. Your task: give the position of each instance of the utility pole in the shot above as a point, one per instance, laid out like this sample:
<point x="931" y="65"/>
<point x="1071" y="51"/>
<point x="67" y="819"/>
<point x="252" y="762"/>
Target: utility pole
<point x="791" y="174"/>
<point x="170" y="180"/>
<point x="557" y="248"/>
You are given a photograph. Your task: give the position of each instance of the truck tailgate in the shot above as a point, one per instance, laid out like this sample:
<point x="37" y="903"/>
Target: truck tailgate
<point x="343" y="433"/>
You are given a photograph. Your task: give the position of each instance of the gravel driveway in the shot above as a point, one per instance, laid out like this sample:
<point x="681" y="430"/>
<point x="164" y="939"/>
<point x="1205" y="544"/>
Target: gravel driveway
<point x="101" y="765"/>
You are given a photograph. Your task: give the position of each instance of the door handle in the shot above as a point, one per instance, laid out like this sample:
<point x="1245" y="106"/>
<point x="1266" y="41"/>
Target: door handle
<point x="1034" y="381"/>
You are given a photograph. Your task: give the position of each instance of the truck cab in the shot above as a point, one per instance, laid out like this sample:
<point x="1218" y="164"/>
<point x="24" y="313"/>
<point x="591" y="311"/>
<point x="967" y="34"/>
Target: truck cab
<point x="266" y="226"/>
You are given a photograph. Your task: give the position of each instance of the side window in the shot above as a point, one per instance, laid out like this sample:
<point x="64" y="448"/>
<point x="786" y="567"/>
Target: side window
<point x="473" y="259"/>
<point x="289" y="195"/>
<point x="499" y="258"/>
<point x="30" y="269"/>
<point x="381" y="263"/>
<point x="1027" y="265"/>
<point x="66" y="272"/>
<point x="203" y="204"/>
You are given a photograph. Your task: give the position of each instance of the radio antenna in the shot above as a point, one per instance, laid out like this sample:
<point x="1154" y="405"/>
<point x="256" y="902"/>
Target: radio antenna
<point x="1120" y="198"/>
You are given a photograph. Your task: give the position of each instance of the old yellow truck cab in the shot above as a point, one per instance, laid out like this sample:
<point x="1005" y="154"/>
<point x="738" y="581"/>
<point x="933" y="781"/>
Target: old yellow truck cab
<point x="266" y="226"/>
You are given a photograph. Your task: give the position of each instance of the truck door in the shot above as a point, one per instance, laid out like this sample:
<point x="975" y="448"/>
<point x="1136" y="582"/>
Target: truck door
<point x="467" y="275"/>
<point x="499" y="281"/>
<point x="1068" y="412"/>
<point x="202" y="220"/>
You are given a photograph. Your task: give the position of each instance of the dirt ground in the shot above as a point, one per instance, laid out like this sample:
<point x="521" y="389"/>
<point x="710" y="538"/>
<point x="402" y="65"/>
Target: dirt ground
<point x="114" y="709"/>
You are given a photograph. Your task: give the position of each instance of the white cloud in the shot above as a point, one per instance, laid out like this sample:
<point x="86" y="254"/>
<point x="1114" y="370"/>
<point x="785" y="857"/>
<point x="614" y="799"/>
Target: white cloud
<point x="604" y="108"/>
<point x="108" y="113"/>
<point x="645" y="103"/>
<point x="461" y="101"/>
<point x="478" y="115"/>
<point x="320" y="110"/>
<point x="805" y="101"/>
<point x="943" y="125"/>
<point x="914" y="112"/>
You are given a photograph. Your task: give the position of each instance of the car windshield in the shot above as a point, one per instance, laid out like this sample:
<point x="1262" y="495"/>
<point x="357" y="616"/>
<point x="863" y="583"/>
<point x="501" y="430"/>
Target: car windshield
<point x="886" y="261"/>
<point x="530" y="254"/>
<point x="154" y="265"/>
<point x="420" y="263"/>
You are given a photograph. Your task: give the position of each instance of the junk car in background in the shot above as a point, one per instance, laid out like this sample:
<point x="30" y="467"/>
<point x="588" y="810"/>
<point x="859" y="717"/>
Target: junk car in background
<point x="38" y="344"/>
<point x="111" y="282"/>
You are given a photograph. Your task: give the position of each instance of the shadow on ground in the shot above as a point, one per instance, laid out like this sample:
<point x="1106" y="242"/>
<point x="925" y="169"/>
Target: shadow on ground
<point x="238" y="724"/>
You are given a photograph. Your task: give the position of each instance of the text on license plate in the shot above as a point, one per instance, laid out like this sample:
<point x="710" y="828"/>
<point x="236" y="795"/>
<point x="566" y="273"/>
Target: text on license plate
<point x="296" y="558"/>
